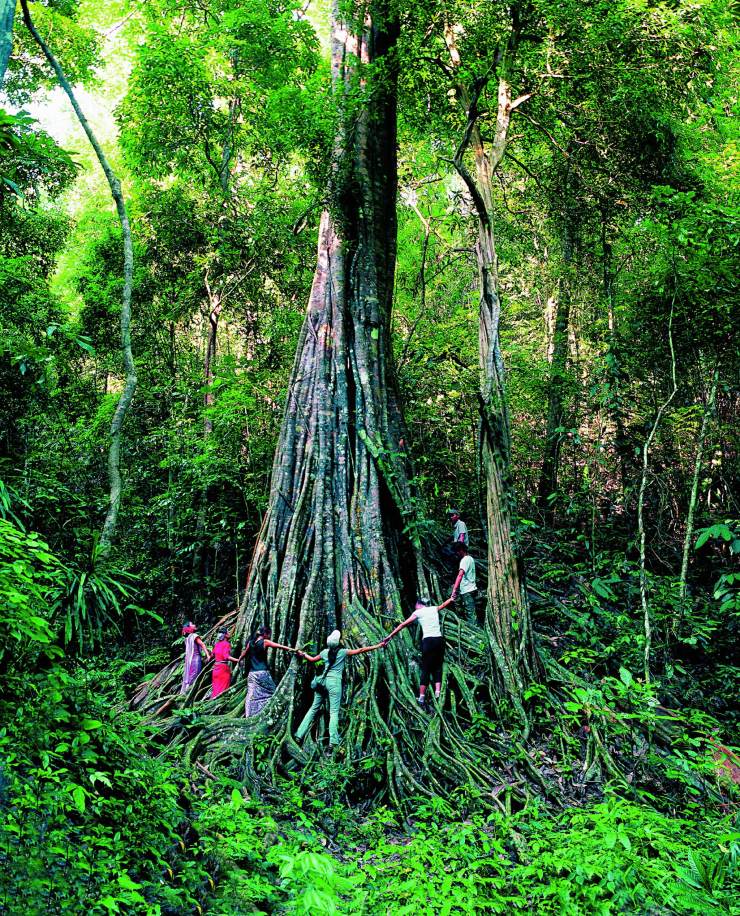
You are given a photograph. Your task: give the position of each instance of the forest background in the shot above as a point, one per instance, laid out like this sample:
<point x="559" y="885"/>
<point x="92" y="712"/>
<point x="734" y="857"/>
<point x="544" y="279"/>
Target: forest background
<point x="590" y="152"/>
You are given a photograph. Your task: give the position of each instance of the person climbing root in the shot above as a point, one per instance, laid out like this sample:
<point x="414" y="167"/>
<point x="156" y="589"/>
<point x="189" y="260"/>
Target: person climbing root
<point x="329" y="684"/>
<point x="465" y="583"/>
<point x="195" y="649"/>
<point x="260" y="685"/>
<point x="432" y="643"/>
<point x="221" y="677"/>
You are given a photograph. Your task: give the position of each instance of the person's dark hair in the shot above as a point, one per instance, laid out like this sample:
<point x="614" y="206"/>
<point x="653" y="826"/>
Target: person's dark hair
<point x="333" y="652"/>
<point x="461" y="547"/>
<point x="259" y="633"/>
<point x="223" y="634"/>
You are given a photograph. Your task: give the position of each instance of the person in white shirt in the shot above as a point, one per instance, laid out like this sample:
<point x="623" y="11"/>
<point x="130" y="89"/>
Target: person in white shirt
<point x="432" y="643"/>
<point x="465" y="583"/>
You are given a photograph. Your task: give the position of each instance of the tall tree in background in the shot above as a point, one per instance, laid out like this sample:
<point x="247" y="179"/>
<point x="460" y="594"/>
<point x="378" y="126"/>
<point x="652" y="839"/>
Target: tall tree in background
<point x="129" y="387"/>
<point x="507" y="610"/>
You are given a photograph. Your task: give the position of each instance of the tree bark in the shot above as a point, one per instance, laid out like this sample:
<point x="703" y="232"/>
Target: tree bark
<point x="507" y="611"/>
<point x="124" y="402"/>
<point x="7" y="15"/>
<point x="548" y="483"/>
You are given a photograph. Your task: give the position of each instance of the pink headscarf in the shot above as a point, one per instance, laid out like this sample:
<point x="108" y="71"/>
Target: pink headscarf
<point x="188" y="629"/>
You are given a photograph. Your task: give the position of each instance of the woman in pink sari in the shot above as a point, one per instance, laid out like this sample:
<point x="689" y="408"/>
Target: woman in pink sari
<point x="221" y="679"/>
<point x="194" y="650"/>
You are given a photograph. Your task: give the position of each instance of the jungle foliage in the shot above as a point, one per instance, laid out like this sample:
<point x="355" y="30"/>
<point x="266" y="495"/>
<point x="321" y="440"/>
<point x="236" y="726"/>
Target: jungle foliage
<point x="603" y="778"/>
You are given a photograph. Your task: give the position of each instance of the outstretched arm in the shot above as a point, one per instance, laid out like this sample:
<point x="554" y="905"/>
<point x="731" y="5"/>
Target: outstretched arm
<point x="406" y="623"/>
<point x="363" y="649"/>
<point x="444" y="604"/>
<point x="456" y="586"/>
<point x="308" y="658"/>
<point x="246" y="650"/>
<point x="269" y="644"/>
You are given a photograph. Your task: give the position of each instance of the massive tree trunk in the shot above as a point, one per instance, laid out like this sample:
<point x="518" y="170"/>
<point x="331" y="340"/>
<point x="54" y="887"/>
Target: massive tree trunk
<point x="548" y="484"/>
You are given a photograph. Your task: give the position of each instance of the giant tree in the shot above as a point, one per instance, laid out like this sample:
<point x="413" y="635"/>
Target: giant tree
<point x="340" y="543"/>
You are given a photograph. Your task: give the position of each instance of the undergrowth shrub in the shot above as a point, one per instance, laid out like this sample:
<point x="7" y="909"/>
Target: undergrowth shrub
<point x="614" y="857"/>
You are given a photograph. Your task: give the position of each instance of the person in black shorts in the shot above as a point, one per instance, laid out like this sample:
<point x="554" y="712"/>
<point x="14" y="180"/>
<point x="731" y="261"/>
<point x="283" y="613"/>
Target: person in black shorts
<point x="432" y="644"/>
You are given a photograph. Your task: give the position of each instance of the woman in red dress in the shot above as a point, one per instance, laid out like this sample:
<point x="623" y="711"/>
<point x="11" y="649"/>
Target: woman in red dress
<point x="221" y="678"/>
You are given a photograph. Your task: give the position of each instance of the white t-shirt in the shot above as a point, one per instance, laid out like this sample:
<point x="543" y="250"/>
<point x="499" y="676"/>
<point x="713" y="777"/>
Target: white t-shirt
<point x="467" y="583"/>
<point x="461" y="529"/>
<point x="428" y="617"/>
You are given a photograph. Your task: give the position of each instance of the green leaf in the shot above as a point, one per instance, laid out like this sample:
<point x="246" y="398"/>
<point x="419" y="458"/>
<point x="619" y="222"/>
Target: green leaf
<point x="128" y="883"/>
<point x="78" y="796"/>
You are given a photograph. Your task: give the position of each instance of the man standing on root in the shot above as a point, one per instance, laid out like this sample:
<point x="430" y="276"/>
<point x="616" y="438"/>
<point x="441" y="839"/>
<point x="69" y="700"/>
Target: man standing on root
<point x="465" y="583"/>
<point x="432" y="644"/>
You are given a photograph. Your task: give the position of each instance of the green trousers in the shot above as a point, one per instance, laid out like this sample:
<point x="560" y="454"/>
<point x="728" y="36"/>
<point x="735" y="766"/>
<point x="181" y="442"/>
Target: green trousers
<point x="468" y="602"/>
<point x="334" y="689"/>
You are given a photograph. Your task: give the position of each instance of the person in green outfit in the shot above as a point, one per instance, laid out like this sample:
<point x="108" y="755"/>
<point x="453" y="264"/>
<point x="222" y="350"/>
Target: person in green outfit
<point x="329" y="684"/>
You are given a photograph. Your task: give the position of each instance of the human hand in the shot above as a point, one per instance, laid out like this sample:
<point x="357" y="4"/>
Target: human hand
<point x="384" y="642"/>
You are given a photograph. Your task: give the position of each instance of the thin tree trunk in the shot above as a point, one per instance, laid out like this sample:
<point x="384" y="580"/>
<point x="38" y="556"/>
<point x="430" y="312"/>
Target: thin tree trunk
<point x="614" y="407"/>
<point x="124" y="402"/>
<point x="548" y="483"/>
<point x="507" y="611"/>
<point x="7" y="14"/>
<point x="215" y="305"/>
<point x="706" y="416"/>
<point x="647" y="624"/>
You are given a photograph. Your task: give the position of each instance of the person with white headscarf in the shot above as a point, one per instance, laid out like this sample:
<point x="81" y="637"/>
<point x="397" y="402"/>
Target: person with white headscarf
<point x="328" y="684"/>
